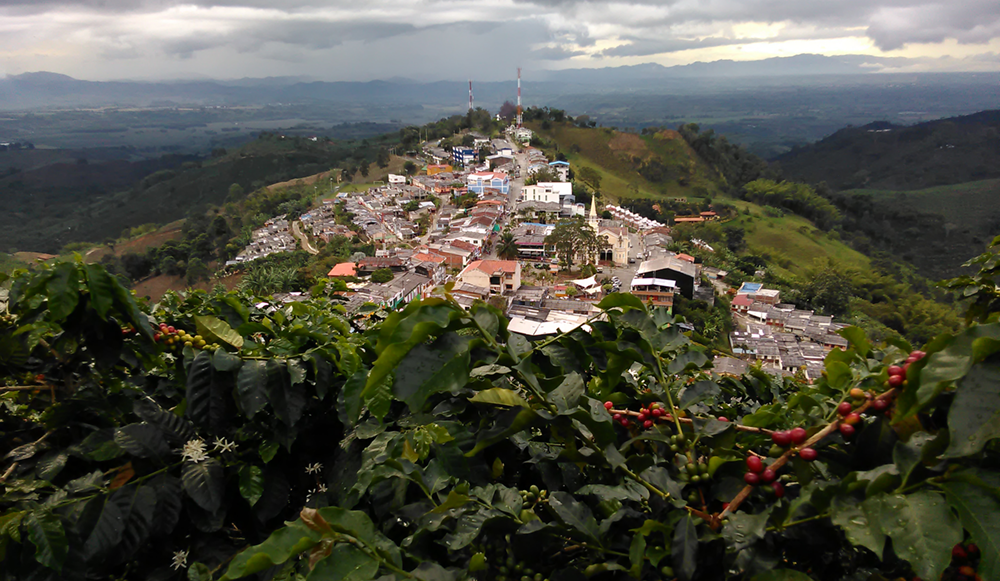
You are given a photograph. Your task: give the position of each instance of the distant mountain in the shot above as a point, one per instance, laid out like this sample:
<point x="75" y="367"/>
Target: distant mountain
<point x="798" y="65"/>
<point x="49" y="90"/>
<point x="884" y="156"/>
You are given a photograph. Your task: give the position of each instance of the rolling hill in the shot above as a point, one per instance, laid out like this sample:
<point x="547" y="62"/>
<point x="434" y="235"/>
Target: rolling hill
<point x="891" y="157"/>
<point x="631" y="165"/>
<point x="53" y="205"/>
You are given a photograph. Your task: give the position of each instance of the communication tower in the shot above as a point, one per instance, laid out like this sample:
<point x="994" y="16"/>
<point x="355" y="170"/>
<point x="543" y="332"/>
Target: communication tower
<point x="518" y="96"/>
<point x="470" y="95"/>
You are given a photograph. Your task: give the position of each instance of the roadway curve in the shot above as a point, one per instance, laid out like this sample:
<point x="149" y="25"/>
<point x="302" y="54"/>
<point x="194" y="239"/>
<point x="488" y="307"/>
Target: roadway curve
<point x="302" y="238"/>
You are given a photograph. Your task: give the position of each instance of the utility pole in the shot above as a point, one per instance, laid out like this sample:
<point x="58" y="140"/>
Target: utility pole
<point x="519" y="96"/>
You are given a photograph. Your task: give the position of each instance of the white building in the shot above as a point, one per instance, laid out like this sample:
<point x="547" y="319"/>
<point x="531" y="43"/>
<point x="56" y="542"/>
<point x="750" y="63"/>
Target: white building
<point x="397" y="180"/>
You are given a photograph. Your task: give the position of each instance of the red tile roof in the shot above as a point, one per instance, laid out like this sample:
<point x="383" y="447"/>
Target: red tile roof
<point x="343" y="269"/>
<point x="491" y="266"/>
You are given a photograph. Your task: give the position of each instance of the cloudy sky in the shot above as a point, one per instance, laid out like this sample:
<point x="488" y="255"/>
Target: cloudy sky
<point x="482" y="39"/>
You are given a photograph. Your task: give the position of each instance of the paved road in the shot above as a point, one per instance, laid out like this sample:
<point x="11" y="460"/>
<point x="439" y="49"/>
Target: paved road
<point x="302" y="238"/>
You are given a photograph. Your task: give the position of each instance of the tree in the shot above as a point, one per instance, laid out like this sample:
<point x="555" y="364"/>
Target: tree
<point x="235" y="193"/>
<point x="382" y="276"/>
<point x="575" y="238"/>
<point x="196" y="270"/>
<point x="364" y="169"/>
<point x="506" y="246"/>
<point x="508" y="111"/>
<point x="409" y="168"/>
<point x="590" y="177"/>
<point x="382" y="158"/>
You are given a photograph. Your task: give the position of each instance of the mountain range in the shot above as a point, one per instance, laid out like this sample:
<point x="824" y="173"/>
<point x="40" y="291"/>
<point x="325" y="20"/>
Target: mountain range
<point x="51" y="90"/>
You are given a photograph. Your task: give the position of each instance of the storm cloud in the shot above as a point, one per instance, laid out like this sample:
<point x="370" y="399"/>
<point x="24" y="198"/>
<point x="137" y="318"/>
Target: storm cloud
<point x="457" y="39"/>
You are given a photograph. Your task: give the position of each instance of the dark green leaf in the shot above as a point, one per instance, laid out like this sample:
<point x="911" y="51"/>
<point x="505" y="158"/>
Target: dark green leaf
<point x="206" y="404"/>
<point x="861" y="523"/>
<point x="99" y="446"/>
<point x="251" y="387"/>
<point x="856" y="337"/>
<point x="142" y="440"/>
<point x="345" y="563"/>
<point x="567" y="396"/>
<point x="138" y="506"/>
<point x="204" y="482"/>
<point x="621" y="300"/>
<point x="63" y="290"/>
<point x="637" y="555"/>
<point x="923" y="530"/>
<point x="283" y="544"/>
<point x="251" y="483"/>
<point x="698" y="393"/>
<point x="684" y="549"/>
<point x="744" y="529"/>
<point x="101" y="286"/>
<point x="575" y="514"/>
<point x="974" y="417"/>
<point x="442" y="365"/>
<point x="176" y="428"/>
<point x="286" y="398"/>
<point x="45" y="531"/>
<point x="225" y="361"/>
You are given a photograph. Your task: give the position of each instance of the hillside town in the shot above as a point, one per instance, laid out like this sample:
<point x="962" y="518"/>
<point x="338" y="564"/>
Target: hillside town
<point x="482" y="228"/>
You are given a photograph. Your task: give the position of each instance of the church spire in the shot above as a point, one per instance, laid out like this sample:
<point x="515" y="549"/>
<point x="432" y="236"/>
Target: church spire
<point x="593" y="220"/>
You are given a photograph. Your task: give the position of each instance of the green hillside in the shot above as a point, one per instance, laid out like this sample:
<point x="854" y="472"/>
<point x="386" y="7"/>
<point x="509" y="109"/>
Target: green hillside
<point x="891" y="157"/>
<point x="795" y="243"/>
<point x="631" y="165"/>
<point x="51" y="206"/>
<point x="972" y="205"/>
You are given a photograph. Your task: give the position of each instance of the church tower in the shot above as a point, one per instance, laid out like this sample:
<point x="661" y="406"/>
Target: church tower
<point x="593" y="219"/>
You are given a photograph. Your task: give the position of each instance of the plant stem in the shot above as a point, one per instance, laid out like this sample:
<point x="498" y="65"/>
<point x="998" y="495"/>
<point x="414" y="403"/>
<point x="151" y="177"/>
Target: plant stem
<point x="798" y="522"/>
<point x="777" y="464"/>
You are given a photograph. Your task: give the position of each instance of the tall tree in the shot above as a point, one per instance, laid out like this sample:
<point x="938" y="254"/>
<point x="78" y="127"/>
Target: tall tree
<point x="575" y="238"/>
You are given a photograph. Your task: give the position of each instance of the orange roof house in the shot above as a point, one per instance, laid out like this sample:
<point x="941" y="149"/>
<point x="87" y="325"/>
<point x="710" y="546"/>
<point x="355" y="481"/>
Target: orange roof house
<point x="343" y="269"/>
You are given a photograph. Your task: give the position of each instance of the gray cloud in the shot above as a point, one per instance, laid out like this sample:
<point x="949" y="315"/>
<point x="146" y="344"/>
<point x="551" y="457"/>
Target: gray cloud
<point x="409" y="34"/>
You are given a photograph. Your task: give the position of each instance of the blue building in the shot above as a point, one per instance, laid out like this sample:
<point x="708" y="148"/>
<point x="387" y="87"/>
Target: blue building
<point x="464" y="155"/>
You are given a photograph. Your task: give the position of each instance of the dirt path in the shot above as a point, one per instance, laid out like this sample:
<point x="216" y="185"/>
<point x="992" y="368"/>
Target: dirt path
<point x="302" y="238"/>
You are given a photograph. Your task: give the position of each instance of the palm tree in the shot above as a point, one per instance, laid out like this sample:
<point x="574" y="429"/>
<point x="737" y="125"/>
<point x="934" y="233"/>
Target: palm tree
<point x="506" y="247"/>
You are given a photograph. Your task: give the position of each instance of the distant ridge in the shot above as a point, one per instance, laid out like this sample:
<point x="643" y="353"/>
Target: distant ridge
<point x="53" y="90"/>
<point x="881" y="155"/>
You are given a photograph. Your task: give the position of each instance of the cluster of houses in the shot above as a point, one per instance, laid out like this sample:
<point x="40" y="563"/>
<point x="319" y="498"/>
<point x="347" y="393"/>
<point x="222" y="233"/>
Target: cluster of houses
<point x="785" y="340"/>
<point x="273" y="237"/>
<point x="630" y="218"/>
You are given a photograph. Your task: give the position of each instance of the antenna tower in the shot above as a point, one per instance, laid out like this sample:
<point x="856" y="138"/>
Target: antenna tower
<point x="518" y="96"/>
<point x="470" y="95"/>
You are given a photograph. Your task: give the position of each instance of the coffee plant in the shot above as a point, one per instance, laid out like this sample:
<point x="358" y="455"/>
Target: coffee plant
<point x="222" y="436"/>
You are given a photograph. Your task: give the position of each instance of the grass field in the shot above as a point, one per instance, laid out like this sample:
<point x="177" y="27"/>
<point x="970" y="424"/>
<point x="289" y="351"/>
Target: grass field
<point x="616" y="156"/>
<point x="967" y="204"/>
<point x="795" y="243"/>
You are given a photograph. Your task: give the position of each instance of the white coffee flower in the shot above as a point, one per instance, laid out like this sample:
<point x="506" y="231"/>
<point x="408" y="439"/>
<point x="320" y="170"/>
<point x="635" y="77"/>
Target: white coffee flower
<point x="321" y="488"/>
<point x="195" y="451"/>
<point x="180" y="558"/>
<point x="314" y="468"/>
<point x="223" y="445"/>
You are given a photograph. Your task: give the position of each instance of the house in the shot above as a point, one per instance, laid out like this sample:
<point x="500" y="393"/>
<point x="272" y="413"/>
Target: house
<point x="500" y="276"/>
<point x="464" y="155"/>
<point x="560" y="169"/>
<point x="397" y="180"/>
<point x="741" y="304"/>
<point x="730" y="366"/>
<point x="670" y="268"/>
<point x="478" y="182"/>
<point x="435" y="169"/>
<point x="658" y="291"/>
<point x="343" y="269"/>
<point x="541" y="193"/>
<point x="370" y="264"/>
